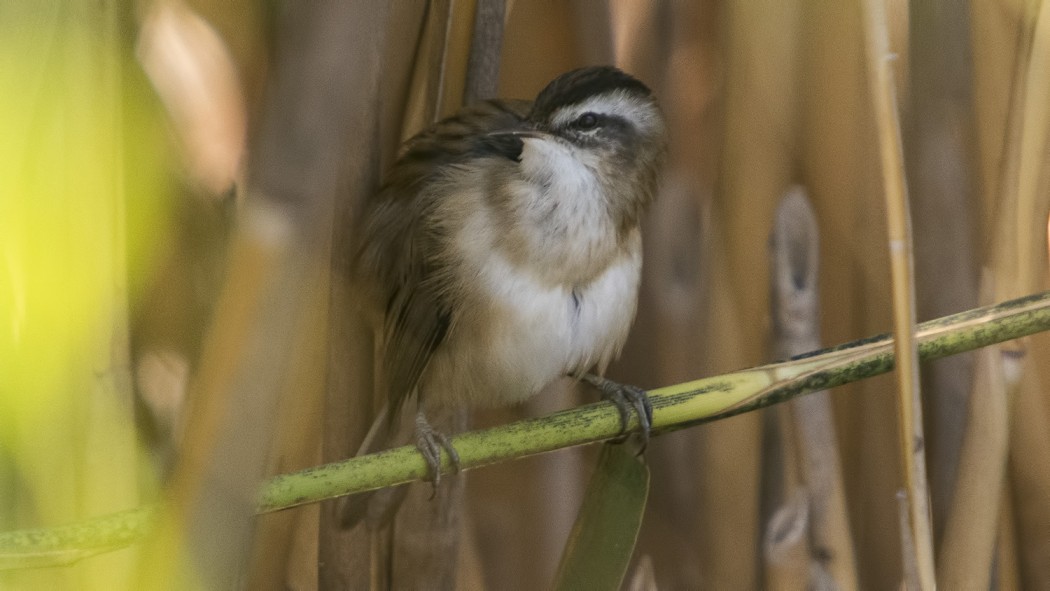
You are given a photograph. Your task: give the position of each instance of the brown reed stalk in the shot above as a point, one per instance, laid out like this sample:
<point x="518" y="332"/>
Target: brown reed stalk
<point x="909" y="404"/>
<point x="785" y="545"/>
<point x="1021" y="200"/>
<point x="967" y="552"/>
<point x="810" y="432"/>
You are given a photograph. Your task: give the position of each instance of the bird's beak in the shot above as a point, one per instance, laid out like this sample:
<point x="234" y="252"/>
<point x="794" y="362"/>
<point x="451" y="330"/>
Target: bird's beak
<point x="509" y="143"/>
<point x="519" y="133"/>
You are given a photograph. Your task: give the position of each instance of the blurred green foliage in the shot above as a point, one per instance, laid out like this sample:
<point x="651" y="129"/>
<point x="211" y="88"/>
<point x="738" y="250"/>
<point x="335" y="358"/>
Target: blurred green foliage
<point x="84" y="179"/>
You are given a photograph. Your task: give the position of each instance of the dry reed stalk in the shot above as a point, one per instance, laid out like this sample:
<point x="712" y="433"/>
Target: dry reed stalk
<point x="471" y="572"/>
<point x="1021" y="254"/>
<point x="1030" y="480"/>
<point x="759" y="101"/>
<point x="785" y="546"/>
<point x="945" y="209"/>
<point x="1020" y="202"/>
<point x="279" y="543"/>
<point x="537" y="499"/>
<point x="486" y="48"/>
<point x="300" y="563"/>
<point x="832" y="541"/>
<point x="785" y="507"/>
<point x="1001" y="34"/>
<point x="786" y="503"/>
<point x="1000" y="40"/>
<point x="1017" y="265"/>
<point x="675" y="298"/>
<point x="796" y="313"/>
<point x="293" y="180"/>
<point x="343" y="558"/>
<point x="1007" y="568"/>
<point x="427" y="86"/>
<point x="909" y="565"/>
<point x="843" y="185"/>
<point x="214" y="477"/>
<point x="424" y="545"/>
<point x="967" y="552"/>
<point x="909" y="405"/>
<point x="1022" y="213"/>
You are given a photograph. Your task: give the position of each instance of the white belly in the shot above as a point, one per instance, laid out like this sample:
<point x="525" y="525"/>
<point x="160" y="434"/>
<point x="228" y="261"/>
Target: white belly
<point x="517" y="334"/>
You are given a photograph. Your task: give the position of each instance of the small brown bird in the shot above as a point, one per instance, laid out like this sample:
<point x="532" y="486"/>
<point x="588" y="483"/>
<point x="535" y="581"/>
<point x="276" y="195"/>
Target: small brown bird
<point x="503" y="250"/>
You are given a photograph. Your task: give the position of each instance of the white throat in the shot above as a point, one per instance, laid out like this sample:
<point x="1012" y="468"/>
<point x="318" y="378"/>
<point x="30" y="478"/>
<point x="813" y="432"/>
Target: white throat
<point x="564" y="213"/>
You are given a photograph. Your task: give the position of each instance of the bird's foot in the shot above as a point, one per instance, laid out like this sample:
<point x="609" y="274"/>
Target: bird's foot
<point x="430" y="442"/>
<point x="628" y="400"/>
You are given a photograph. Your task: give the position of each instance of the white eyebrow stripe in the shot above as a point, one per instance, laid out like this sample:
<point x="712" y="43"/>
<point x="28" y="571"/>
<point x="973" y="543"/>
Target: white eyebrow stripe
<point x="617" y="103"/>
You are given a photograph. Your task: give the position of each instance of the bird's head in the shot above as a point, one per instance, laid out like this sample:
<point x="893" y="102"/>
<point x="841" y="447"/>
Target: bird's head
<point x="596" y="121"/>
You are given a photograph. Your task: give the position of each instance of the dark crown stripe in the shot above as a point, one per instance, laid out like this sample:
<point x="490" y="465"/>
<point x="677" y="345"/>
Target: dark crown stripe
<point x="575" y="86"/>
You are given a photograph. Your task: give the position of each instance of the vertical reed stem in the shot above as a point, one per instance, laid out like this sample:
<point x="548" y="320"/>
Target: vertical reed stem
<point x="909" y="406"/>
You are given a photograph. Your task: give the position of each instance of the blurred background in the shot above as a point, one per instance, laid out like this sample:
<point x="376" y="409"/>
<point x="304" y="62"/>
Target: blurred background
<point x="177" y="180"/>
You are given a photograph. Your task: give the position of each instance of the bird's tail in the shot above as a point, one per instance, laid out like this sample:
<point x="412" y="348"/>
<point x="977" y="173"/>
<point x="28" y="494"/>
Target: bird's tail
<point x="377" y="507"/>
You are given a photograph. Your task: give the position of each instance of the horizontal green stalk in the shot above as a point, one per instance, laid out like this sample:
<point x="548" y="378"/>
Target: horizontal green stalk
<point x="674" y="407"/>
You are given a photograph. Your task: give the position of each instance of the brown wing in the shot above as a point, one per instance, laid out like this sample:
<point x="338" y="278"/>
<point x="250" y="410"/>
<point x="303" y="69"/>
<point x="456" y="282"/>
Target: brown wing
<point x="395" y="259"/>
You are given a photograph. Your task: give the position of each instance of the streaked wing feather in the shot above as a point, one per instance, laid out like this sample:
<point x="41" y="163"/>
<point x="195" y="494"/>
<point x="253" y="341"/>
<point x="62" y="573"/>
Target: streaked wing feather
<point x="393" y="261"/>
<point x="416" y="324"/>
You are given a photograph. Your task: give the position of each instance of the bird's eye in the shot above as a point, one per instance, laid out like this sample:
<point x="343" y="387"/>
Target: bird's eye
<point x="586" y="121"/>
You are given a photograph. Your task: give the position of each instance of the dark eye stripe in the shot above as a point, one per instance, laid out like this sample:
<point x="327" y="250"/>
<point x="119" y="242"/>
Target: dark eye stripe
<point x="610" y="130"/>
<point x="604" y="120"/>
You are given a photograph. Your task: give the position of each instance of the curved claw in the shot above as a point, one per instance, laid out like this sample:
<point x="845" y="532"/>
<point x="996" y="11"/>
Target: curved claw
<point x="430" y="442"/>
<point x="628" y="399"/>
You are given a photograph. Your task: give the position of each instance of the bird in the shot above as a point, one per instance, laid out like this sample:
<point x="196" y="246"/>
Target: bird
<point x="503" y="251"/>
